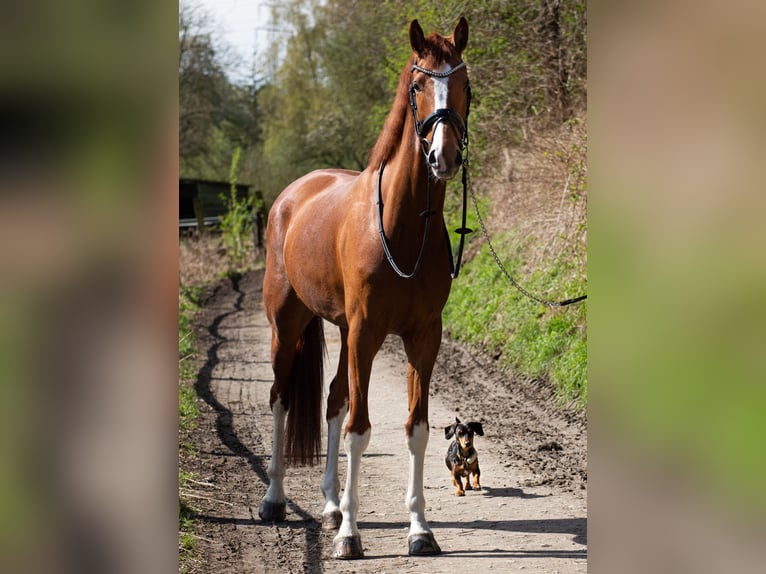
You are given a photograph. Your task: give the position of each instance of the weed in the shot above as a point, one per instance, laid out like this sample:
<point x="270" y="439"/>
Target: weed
<point x="188" y="412"/>
<point x="237" y="223"/>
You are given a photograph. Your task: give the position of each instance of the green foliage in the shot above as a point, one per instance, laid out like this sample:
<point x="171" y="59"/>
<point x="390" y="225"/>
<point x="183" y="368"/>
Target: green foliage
<point x="486" y="311"/>
<point x="188" y="412"/>
<point x="215" y="115"/>
<point x="188" y="305"/>
<point x="237" y="223"/>
<point x="187" y="541"/>
<point x="327" y="83"/>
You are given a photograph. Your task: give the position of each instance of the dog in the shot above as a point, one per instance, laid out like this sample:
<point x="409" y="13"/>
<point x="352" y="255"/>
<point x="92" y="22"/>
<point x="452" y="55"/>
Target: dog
<point x="462" y="459"/>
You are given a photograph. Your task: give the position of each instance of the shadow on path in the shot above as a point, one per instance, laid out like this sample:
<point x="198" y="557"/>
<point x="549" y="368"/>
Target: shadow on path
<point x="224" y="425"/>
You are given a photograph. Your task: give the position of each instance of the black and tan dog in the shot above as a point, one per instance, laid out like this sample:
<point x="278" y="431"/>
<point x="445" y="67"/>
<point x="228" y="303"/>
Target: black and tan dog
<point x="462" y="459"/>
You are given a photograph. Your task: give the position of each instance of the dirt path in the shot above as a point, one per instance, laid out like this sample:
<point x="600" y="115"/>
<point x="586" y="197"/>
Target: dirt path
<point x="529" y="517"/>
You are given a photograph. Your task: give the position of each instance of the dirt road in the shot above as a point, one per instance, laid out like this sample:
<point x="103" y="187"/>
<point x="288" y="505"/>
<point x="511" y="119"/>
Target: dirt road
<point x="530" y="515"/>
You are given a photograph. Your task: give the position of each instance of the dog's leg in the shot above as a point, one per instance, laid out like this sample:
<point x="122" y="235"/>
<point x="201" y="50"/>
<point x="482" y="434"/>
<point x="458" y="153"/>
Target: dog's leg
<point x="476" y="475"/>
<point x="458" y="482"/>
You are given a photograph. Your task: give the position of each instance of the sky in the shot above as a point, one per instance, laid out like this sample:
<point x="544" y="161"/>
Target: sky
<point x="241" y="24"/>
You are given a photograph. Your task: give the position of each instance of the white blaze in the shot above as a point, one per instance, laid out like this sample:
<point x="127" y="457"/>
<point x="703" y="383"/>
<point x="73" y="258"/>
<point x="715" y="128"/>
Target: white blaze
<point x="441" y="90"/>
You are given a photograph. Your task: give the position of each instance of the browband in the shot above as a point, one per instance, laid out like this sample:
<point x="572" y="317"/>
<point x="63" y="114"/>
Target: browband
<point x="437" y="74"/>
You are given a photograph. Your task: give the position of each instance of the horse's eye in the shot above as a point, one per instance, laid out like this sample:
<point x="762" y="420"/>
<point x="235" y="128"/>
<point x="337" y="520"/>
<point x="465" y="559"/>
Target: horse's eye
<point x="415" y="87"/>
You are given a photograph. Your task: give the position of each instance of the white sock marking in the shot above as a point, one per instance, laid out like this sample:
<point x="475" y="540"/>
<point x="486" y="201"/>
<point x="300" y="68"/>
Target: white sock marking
<point x="414" y="500"/>
<point x="276" y="468"/>
<point x="355" y="444"/>
<point x="330" y="482"/>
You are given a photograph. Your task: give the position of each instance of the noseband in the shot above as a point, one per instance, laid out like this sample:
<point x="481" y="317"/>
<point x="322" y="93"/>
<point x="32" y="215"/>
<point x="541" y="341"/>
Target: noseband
<point x="448" y="115"/>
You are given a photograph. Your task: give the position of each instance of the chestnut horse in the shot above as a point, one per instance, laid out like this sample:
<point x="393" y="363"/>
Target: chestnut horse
<point x="337" y="242"/>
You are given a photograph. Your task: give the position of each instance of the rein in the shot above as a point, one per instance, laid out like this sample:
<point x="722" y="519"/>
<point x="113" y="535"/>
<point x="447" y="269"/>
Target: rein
<point x="427" y="214"/>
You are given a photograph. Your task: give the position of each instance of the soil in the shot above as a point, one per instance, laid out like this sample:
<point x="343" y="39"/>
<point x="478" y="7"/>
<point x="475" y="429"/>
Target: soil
<point x="529" y="516"/>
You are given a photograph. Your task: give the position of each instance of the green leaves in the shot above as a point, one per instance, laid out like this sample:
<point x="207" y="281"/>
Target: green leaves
<point x="237" y="223"/>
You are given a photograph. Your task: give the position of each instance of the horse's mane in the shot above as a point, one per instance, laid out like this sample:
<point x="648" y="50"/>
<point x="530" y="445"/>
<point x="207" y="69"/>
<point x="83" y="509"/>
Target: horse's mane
<point x="442" y="50"/>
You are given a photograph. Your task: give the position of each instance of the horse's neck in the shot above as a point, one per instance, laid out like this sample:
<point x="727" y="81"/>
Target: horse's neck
<point x="406" y="188"/>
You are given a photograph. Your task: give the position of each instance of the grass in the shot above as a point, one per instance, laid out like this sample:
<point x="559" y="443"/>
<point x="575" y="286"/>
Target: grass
<point x="486" y="311"/>
<point x="187" y="543"/>
<point x="188" y="304"/>
<point x="188" y="412"/>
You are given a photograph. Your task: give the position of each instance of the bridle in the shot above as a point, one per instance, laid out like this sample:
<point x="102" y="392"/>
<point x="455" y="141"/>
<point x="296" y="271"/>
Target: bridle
<point x="460" y="126"/>
<point x="448" y="115"/>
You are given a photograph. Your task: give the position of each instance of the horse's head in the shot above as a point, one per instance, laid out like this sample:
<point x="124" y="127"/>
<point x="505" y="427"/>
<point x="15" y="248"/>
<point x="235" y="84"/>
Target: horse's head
<point x="440" y="96"/>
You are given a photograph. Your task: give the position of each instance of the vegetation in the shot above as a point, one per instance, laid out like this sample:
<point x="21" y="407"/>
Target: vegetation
<point x="536" y="341"/>
<point x="237" y="223"/>
<point x="188" y="412"/>
<point x="320" y="99"/>
<point x="215" y="115"/>
<point x="188" y="304"/>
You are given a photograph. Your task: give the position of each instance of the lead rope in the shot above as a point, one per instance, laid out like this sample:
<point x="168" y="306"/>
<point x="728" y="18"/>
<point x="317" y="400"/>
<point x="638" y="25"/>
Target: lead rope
<point x="513" y="282"/>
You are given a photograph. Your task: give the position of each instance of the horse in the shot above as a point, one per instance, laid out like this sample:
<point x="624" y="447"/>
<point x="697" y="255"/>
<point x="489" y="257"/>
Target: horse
<point x="354" y="249"/>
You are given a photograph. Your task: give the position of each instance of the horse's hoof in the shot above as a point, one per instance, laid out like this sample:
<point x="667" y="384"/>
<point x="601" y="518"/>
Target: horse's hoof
<point x="348" y="548"/>
<point x="331" y="520"/>
<point x="423" y="544"/>
<point x="272" y="511"/>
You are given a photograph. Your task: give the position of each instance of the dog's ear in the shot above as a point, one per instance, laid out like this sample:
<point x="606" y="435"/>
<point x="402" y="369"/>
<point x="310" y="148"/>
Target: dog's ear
<point x="476" y="427"/>
<point x="449" y="431"/>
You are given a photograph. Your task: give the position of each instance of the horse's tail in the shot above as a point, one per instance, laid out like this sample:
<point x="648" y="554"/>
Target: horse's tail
<point x="303" y="441"/>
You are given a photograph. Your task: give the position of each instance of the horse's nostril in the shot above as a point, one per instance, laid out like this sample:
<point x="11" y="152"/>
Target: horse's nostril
<point x="432" y="158"/>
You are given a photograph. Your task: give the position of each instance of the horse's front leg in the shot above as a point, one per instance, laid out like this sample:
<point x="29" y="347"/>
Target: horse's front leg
<point x="421" y="354"/>
<point x="347" y="544"/>
<point x="337" y="407"/>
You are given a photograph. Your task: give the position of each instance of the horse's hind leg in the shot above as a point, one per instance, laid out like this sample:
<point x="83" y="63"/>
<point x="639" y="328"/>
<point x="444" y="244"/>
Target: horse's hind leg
<point x="337" y="407"/>
<point x="274" y="506"/>
<point x="284" y="335"/>
<point x="421" y="350"/>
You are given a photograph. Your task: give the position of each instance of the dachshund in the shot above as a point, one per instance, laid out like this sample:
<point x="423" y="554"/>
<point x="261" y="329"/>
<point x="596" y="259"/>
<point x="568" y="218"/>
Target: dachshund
<point x="462" y="459"/>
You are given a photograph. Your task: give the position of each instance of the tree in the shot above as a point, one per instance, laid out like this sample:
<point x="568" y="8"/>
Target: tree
<point x="215" y="116"/>
<point x="201" y="83"/>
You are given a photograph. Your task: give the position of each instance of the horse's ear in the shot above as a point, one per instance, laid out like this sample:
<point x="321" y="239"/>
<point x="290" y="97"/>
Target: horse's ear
<point x="460" y="35"/>
<point x="417" y="38"/>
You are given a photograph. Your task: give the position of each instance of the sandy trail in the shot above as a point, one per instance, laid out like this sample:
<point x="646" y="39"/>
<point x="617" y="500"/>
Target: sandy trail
<point x="530" y="515"/>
